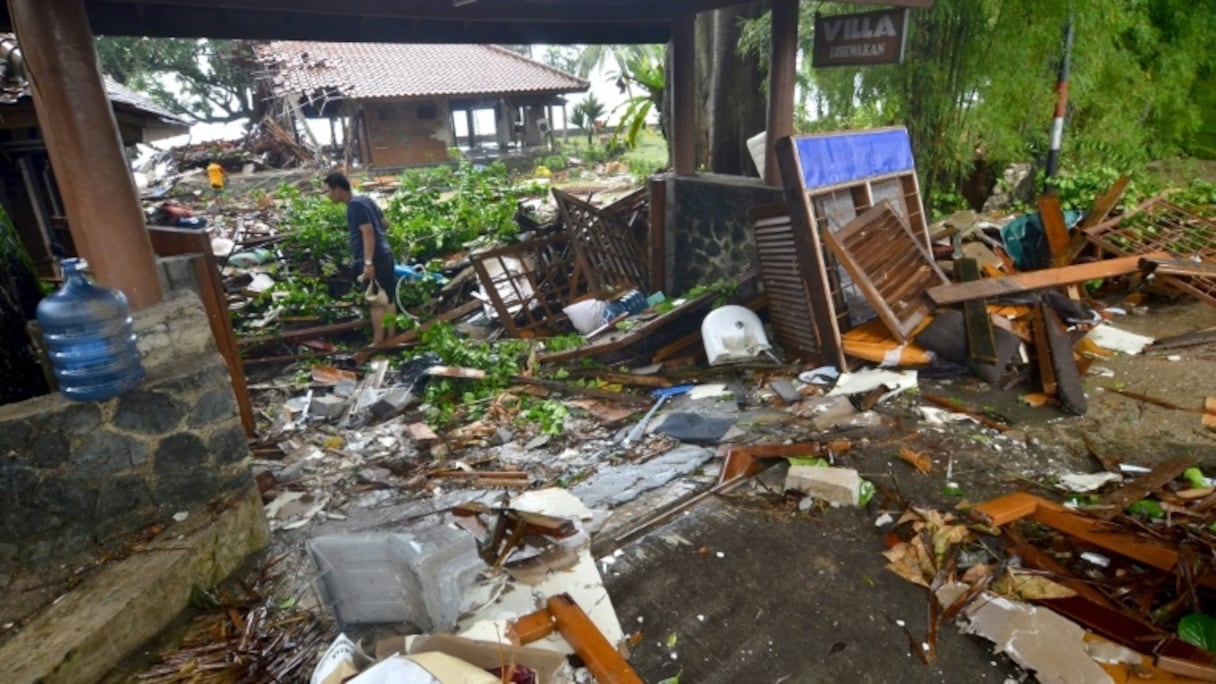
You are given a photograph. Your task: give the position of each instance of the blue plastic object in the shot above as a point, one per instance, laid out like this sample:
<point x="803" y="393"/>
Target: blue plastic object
<point x="632" y="303"/>
<point x="89" y="338"/>
<point x="417" y="272"/>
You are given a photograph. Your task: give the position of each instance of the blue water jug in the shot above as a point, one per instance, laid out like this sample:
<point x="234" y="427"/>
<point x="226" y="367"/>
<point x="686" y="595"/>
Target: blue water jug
<point x="89" y="338"/>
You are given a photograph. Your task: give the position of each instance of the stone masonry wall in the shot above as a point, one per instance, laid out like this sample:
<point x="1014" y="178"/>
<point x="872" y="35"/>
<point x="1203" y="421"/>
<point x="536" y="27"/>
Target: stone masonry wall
<point x="78" y="477"/>
<point x="708" y="236"/>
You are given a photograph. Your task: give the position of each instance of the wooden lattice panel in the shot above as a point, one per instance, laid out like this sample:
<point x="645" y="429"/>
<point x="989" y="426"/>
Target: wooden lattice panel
<point x="785" y="282"/>
<point x="529" y="283"/>
<point x="889" y="264"/>
<point x="611" y="257"/>
<point x="1159" y="226"/>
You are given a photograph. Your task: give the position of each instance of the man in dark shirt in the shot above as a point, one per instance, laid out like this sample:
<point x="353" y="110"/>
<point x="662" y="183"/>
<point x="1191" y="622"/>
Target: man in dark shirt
<point x="368" y="247"/>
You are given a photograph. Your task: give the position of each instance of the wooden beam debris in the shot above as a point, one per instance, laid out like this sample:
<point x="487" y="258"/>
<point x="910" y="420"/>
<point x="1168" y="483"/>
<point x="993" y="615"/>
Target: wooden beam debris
<point x="955" y="293"/>
<point x="981" y="342"/>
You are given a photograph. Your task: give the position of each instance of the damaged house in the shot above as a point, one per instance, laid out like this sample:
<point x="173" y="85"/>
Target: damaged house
<point x="398" y="104"/>
<point x="28" y="190"/>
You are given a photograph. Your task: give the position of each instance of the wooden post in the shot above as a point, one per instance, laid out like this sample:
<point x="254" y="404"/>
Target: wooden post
<point x="85" y="148"/>
<point x="177" y="242"/>
<point x="683" y="95"/>
<point x="783" y="65"/>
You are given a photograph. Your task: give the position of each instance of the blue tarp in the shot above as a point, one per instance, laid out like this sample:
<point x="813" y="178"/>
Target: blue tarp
<point x="842" y="157"/>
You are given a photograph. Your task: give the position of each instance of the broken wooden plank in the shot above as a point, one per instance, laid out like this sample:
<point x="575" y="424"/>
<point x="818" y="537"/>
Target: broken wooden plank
<point x="629" y="379"/>
<point x="1191" y="339"/>
<point x="178" y="242"/>
<point x="741" y="461"/>
<point x="1047" y="373"/>
<point x="1178" y="267"/>
<point x="1089" y="529"/>
<point x="1154" y="400"/>
<point x="981" y="342"/>
<point x="410" y="335"/>
<point x="566" y="388"/>
<point x="1052" y="218"/>
<point x="315" y="331"/>
<point x="1036" y="280"/>
<point x="1117" y="501"/>
<point x="623" y="339"/>
<point x="1103" y="205"/>
<point x="1069" y="389"/>
<point x="456" y="372"/>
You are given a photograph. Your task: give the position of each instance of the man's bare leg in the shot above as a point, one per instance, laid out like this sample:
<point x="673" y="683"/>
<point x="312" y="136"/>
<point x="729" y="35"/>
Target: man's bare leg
<point x="377" y="315"/>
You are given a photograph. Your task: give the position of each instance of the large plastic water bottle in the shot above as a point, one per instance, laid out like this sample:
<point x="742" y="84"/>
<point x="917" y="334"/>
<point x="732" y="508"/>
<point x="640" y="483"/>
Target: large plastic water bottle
<point x="89" y="338"/>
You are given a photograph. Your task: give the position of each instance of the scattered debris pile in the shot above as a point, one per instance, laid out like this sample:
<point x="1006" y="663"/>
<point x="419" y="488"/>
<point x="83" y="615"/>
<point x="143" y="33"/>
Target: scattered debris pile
<point x="1110" y="587"/>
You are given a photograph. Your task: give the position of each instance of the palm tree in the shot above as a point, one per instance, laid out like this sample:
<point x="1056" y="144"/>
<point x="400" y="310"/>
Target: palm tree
<point x="643" y="67"/>
<point x="587" y="114"/>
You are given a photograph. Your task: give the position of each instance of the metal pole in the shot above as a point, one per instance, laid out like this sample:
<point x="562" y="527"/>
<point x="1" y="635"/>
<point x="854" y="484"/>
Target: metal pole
<point x="1057" y="121"/>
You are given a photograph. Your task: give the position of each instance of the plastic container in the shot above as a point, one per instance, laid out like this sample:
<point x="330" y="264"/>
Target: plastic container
<point x="631" y="303"/>
<point x="215" y="173"/>
<point x="89" y="338"/>
<point x="250" y="258"/>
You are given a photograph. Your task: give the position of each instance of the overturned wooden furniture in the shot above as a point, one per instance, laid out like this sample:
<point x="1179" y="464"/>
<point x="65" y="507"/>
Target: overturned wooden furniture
<point x="890" y="266"/>
<point x="604" y="244"/>
<point x="529" y="283"/>
<point x="830" y="180"/>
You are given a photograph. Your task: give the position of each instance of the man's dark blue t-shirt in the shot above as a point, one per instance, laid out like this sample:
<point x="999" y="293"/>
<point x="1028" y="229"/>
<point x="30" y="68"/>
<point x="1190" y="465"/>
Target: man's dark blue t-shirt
<point x="361" y="210"/>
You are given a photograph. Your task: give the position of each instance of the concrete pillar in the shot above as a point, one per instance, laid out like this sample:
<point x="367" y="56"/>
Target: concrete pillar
<point x="783" y="65"/>
<point x="83" y="142"/>
<point x="683" y="95"/>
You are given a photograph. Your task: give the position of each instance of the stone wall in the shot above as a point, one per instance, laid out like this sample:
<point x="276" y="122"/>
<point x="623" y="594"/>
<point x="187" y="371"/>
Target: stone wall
<point x="708" y="237"/>
<point x="77" y="478"/>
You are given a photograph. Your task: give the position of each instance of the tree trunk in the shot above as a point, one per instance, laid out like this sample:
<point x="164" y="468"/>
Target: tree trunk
<point x="730" y="95"/>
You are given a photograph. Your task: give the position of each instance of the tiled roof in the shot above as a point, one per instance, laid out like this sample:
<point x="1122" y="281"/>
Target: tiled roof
<point x="14" y="88"/>
<point x="360" y="71"/>
<point x="122" y="95"/>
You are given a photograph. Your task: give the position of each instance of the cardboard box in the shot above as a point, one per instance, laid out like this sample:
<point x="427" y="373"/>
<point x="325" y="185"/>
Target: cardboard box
<point x="550" y="666"/>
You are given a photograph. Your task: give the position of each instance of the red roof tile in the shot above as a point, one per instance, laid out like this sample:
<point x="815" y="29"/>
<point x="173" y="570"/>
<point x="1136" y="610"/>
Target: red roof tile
<point x="361" y="71"/>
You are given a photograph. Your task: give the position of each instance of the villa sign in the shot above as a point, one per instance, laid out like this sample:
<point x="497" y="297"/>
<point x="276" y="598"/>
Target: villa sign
<point x="860" y="39"/>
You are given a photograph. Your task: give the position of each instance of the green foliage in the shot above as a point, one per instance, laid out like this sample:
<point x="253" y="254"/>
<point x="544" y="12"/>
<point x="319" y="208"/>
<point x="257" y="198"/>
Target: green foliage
<point x="644" y="69"/>
<point x="549" y="414"/>
<point x="214" y="78"/>
<point x="587" y="114"/>
<point x="1199" y="630"/>
<point x="979" y="76"/>
<point x="315" y="226"/>
<point x="439" y="209"/>
<point x="724" y="287"/>
<point x="559" y="343"/>
<point x="555" y="162"/>
<point x="449" y="397"/>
